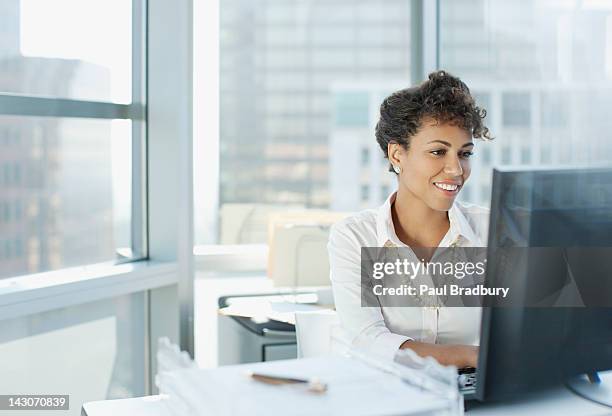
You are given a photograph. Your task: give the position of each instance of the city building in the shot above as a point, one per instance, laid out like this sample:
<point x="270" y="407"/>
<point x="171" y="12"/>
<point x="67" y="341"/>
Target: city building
<point x="279" y="62"/>
<point x="55" y="174"/>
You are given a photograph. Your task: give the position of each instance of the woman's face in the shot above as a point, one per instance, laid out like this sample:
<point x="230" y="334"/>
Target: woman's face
<point x="436" y="164"/>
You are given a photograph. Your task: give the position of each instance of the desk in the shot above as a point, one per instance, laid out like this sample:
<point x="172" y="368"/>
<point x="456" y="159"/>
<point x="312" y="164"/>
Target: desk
<point x="260" y="327"/>
<point x="558" y="402"/>
<point x="139" y="406"/>
<point x="555" y="402"/>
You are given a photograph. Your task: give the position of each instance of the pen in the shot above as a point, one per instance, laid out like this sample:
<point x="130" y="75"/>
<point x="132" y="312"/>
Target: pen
<point x="314" y="385"/>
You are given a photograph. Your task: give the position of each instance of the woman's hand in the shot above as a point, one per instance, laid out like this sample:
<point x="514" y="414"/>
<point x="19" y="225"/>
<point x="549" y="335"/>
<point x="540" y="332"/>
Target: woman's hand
<point x="458" y="355"/>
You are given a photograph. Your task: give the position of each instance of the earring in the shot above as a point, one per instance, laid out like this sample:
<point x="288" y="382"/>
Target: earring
<point x="397" y="169"/>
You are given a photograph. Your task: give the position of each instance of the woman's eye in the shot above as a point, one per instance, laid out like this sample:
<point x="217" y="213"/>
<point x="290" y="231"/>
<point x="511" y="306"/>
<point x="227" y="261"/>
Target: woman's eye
<point x="438" y="152"/>
<point x="466" y="155"/>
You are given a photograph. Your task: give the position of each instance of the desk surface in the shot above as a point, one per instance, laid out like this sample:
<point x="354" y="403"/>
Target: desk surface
<point x="550" y="403"/>
<point x="139" y="406"/>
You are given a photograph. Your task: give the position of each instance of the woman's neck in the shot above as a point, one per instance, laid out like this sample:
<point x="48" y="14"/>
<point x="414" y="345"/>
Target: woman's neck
<point x="415" y="223"/>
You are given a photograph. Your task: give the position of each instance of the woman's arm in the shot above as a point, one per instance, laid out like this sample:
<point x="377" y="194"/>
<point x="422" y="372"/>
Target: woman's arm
<point x="364" y="326"/>
<point x="458" y="355"/>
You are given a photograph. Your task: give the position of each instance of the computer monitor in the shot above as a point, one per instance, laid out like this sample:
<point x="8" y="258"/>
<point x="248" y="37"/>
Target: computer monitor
<point x="569" y="211"/>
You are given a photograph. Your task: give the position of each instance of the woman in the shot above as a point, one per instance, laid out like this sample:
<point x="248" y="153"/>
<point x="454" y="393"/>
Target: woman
<point x="426" y="134"/>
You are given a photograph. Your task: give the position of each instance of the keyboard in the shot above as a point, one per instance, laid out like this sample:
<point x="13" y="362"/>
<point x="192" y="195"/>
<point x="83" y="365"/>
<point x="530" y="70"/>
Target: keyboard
<point x="466" y="378"/>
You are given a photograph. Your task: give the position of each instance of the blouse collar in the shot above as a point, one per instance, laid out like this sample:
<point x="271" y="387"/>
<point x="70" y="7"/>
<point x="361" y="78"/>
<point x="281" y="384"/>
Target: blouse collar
<point x="460" y="228"/>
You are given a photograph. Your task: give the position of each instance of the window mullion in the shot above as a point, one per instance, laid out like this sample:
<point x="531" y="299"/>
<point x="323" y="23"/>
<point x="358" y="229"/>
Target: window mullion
<point x="24" y="105"/>
<point x="139" y="130"/>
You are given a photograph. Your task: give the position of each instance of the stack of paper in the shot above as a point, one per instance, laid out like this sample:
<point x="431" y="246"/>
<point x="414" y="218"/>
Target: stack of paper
<point x="354" y="388"/>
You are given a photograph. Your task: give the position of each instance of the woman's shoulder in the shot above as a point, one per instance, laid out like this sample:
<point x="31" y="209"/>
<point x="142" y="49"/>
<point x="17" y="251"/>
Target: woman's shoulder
<point x="360" y="226"/>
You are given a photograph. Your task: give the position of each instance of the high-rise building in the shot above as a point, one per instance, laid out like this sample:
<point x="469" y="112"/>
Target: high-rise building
<point x="55" y="173"/>
<point x="539" y="68"/>
<point x="545" y="106"/>
<point x="279" y="63"/>
<point x="302" y="80"/>
<point x="9" y="30"/>
<point x="359" y="176"/>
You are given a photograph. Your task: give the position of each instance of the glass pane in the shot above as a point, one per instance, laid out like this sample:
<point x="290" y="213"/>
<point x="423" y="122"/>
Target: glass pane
<point x="545" y="69"/>
<point x="300" y="80"/>
<point x="79" y="49"/>
<point x="91" y="352"/>
<point x="66" y="192"/>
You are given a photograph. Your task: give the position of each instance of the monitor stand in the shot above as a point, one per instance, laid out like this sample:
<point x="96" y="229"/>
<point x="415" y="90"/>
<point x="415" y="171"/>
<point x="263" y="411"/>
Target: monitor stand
<point x="596" y="386"/>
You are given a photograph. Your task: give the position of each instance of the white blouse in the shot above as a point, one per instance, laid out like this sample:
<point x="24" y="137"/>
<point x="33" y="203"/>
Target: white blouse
<point x="386" y="328"/>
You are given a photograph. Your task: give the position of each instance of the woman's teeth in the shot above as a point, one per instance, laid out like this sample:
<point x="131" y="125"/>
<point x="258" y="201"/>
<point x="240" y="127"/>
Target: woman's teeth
<point x="446" y="186"/>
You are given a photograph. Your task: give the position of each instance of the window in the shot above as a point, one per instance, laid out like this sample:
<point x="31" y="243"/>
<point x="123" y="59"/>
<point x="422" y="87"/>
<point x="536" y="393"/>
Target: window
<point x="365" y="193"/>
<point x="486" y="156"/>
<point x="506" y="154"/>
<point x="555" y="109"/>
<point x="351" y="109"/>
<point x="88" y="49"/>
<point x="78" y="195"/>
<point x="545" y="106"/>
<point x="365" y="157"/>
<point x="71" y="132"/>
<point x="299" y="75"/>
<point x="466" y="194"/>
<point x="516" y="109"/>
<point x="525" y="155"/>
<point x="384" y="191"/>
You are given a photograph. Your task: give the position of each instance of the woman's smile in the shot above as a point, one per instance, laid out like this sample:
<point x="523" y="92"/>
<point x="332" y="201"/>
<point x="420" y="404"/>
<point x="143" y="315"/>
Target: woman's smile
<point x="449" y="189"/>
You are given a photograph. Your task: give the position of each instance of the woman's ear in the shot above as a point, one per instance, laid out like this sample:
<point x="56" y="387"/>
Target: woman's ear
<point x="394" y="153"/>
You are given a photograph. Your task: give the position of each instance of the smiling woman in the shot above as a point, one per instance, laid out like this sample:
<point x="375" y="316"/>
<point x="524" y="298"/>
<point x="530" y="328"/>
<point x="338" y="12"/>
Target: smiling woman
<point x="426" y="132"/>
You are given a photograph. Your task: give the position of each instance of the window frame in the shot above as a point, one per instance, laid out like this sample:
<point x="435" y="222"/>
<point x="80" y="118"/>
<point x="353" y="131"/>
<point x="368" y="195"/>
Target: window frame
<point x="162" y="102"/>
<point x="13" y="104"/>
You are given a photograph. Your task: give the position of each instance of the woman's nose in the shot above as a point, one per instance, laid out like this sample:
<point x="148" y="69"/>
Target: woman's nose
<point x="453" y="167"/>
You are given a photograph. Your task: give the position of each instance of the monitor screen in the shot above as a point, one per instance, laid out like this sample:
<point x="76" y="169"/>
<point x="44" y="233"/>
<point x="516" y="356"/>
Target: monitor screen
<point x="562" y="220"/>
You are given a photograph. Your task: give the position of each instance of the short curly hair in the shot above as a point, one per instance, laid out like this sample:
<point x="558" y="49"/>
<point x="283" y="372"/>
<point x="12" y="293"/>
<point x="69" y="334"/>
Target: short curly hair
<point x="442" y="97"/>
